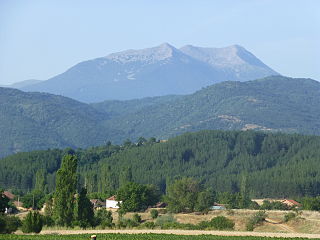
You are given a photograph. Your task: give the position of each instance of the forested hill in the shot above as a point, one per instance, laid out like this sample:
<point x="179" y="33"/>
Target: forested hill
<point x="271" y="104"/>
<point x="34" y="121"/>
<point x="268" y="165"/>
<point x="30" y="121"/>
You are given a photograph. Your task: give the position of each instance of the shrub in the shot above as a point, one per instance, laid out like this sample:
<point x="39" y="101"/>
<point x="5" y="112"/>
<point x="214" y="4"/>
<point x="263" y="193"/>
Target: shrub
<point x="149" y="225"/>
<point x="256" y="219"/>
<point x="127" y="223"/>
<point x="164" y="219"/>
<point x="32" y="223"/>
<point x="9" y="224"/>
<point x="222" y="223"/>
<point x="48" y="221"/>
<point x="154" y="213"/>
<point x="103" y="218"/>
<point x="137" y="218"/>
<point x="289" y="216"/>
<point x="204" y="225"/>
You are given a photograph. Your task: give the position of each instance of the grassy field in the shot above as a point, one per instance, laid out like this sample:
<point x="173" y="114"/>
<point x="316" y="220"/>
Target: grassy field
<point x="134" y="237"/>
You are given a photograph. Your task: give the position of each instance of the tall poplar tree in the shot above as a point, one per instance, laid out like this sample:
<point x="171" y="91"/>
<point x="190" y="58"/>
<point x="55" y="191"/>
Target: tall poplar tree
<point x="66" y="183"/>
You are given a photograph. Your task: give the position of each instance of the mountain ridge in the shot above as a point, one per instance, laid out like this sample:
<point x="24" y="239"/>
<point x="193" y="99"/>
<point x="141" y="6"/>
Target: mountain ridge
<point x="31" y="121"/>
<point x="156" y="71"/>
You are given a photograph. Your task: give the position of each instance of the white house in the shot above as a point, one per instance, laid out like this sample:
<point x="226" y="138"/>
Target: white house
<point x="111" y="202"/>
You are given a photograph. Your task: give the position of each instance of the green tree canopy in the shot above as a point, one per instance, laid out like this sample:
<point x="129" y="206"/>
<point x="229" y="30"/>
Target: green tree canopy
<point x="84" y="210"/>
<point x="65" y="190"/>
<point x="137" y="197"/>
<point x="186" y="195"/>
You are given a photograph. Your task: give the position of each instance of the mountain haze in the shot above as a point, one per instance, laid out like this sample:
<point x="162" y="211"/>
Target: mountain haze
<point x="22" y="84"/>
<point x="157" y="71"/>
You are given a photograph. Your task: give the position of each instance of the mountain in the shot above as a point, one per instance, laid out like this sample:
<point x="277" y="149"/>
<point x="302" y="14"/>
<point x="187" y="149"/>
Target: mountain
<point x="270" y="165"/>
<point x="157" y="71"/>
<point x="234" y="61"/>
<point x="30" y="121"/>
<point x="270" y="104"/>
<point x="22" y="84"/>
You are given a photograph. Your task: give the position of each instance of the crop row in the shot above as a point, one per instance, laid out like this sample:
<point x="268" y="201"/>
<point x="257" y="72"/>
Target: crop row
<point x="134" y="237"/>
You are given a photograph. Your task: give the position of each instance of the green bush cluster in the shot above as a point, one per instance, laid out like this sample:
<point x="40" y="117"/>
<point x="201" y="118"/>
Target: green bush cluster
<point x="217" y="223"/>
<point x="32" y="223"/>
<point x="130" y="223"/>
<point x="256" y="219"/>
<point x="154" y="213"/>
<point x="289" y="216"/>
<point x="9" y="224"/>
<point x="103" y="218"/>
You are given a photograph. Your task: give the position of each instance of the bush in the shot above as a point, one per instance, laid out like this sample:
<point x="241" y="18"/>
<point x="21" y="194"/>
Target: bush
<point x="154" y="213"/>
<point x="222" y="223"/>
<point x="32" y="223"/>
<point x="164" y="219"/>
<point x="48" y="221"/>
<point x="289" y="216"/>
<point x="9" y="224"/>
<point x="204" y="225"/>
<point x="149" y="225"/>
<point x="137" y="218"/>
<point x="127" y="223"/>
<point x="103" y="218"/>
<point x="256" y="219"/>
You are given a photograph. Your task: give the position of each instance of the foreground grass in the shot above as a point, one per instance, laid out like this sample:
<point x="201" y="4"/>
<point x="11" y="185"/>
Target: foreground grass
<point x="137" y="237"/>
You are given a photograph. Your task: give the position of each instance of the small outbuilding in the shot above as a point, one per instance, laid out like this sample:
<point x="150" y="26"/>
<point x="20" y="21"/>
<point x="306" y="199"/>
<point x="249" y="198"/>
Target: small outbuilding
<point x="111" y="202"/>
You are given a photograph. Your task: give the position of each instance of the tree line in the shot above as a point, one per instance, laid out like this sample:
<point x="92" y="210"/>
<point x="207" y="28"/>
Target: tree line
<point x="270" y="164"/>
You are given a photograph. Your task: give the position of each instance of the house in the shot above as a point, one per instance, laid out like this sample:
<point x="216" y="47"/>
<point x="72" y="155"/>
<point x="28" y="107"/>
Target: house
<point x="111" y="202"/>
<point x="291" y="203"/>
<point x="9" y="195"/>
<point x="97" y="203"/>
<point x="218" y="206"/>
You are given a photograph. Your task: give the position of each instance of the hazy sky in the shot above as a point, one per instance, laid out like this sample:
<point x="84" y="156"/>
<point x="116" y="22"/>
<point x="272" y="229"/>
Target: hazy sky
<point x="39" y="39"/>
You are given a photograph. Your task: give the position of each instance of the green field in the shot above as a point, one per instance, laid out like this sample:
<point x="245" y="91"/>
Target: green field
<point x="134" y="237"/>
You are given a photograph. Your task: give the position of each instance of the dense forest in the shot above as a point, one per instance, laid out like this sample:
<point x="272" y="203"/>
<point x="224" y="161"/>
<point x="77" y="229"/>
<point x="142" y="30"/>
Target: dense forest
<point x="37" y="121"/>
<point x="267" y="165"/>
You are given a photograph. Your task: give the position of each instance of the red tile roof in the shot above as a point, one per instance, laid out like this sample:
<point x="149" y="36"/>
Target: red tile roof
<point x="112" y="198"/>
<point x="8" y="195"/>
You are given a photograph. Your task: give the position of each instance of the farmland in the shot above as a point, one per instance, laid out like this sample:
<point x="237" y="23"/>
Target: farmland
<point x="135" y="237"/>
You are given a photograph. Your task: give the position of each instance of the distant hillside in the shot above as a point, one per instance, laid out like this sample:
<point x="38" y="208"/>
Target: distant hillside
<point x="157" y="71"/>
<point x="22" y="84"/>
<point x="265" y="165"/>
<point x="270" y="104"/>
<point x="32" y="121"/>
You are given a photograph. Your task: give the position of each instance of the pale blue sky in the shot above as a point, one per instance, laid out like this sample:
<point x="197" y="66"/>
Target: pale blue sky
<point x="40" y="38"/>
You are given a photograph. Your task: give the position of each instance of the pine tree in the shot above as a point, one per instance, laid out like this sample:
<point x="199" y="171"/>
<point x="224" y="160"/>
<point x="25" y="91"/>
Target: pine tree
<point x="66" y="183"/>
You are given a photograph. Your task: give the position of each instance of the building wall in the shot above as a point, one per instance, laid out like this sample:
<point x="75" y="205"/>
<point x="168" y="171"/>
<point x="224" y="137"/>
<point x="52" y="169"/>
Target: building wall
<point x="112" y="204"/>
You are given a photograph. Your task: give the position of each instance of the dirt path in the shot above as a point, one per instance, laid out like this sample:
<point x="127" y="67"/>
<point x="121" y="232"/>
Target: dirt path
<point x="185" y="232"/>
<point x="281" y="225"/>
